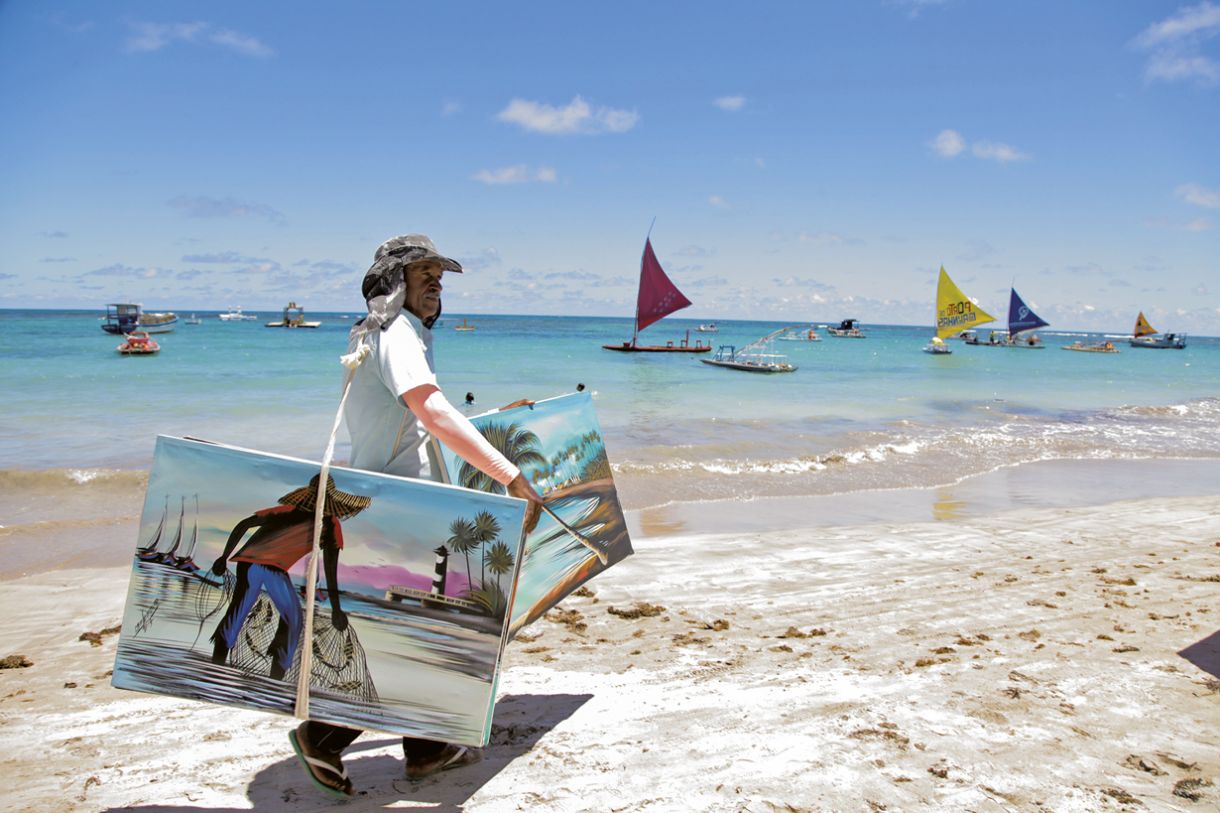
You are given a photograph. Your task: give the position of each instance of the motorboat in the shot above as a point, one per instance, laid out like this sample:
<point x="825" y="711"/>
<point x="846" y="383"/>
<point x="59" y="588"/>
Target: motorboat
<point x="710" y="327"/>
<point x="294" y="316"/>
<point x="138" y="343"/>
<point x="847" y="329"/>
<point x="192" y="320"/>
<point x="124" y="317"/>
<point x="236" y="315"/>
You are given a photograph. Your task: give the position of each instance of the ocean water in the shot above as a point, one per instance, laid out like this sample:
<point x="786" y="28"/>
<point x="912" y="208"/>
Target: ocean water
<point x="857" y="414"/>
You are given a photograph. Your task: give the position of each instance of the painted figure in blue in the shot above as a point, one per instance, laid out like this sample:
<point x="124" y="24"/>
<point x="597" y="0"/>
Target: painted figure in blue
<point x="283" y="534"/>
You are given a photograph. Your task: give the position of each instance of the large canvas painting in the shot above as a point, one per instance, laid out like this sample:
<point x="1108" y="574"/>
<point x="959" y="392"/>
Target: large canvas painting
<point x="558" y="444"/>
<point x="411" y="604"/>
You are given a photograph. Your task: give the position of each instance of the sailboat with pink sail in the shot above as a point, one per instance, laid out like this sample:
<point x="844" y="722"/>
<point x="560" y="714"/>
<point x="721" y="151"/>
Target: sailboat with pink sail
<point x="658" y="297"/>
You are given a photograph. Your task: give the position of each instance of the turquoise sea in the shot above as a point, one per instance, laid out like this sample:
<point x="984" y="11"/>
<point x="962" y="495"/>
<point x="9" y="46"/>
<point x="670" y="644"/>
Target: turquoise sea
<point x="857" y="414"/>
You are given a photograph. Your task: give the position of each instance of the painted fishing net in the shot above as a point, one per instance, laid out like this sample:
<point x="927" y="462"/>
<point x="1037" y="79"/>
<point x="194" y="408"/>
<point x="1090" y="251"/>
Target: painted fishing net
<point x="339" y="663"/>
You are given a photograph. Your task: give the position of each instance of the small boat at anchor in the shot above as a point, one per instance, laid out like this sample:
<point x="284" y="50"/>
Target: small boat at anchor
<point x="138" y="343"/>
<point x="1092" y="347"/>
<point x="464" y="326"/>
<point x="801" y="334"/>
<point x="847" y="329"/>
<point x="294" y="316"/>
<point x="755" y="357"/>
<point x="236" y="315"/>
<point x="710" y="327"/>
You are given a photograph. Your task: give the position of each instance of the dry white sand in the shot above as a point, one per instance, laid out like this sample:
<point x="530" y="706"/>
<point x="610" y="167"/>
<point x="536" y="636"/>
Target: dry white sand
<point x="1028" y="661"/>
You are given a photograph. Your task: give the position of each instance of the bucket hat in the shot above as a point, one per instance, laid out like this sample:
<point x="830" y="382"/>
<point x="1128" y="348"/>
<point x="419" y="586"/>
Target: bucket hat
<point x="339" y="504"/>
<point x="385" y="284"/>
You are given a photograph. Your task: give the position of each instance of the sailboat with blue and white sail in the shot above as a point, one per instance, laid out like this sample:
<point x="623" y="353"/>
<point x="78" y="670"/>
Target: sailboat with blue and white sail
<point x="1021" y="319"/>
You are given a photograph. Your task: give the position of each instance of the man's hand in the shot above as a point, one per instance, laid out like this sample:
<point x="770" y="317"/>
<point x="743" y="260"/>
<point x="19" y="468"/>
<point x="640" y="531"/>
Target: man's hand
<point x="520" y="487"/>
<point x="219" y="566"/>
<point x="338" y="619"/>
<point x="518" y="403"/>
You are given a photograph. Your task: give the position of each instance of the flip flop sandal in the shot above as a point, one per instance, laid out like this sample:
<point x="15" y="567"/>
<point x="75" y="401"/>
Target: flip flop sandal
<point x="460" y="756"/>
<point x="325" y="777"/>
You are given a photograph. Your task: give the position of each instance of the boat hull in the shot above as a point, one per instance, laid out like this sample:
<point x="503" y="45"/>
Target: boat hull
<point x="628" y="347"/>
<point x="752" y="368"/>
<point x="1159" y="344"/>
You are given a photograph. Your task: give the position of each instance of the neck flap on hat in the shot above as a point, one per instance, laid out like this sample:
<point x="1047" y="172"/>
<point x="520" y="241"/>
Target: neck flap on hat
<point x="385" y="290"/>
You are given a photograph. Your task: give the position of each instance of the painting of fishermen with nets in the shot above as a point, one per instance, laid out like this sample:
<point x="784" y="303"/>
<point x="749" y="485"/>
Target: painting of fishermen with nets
<point x="558" y="444"/>
<point x="410" y="604"/>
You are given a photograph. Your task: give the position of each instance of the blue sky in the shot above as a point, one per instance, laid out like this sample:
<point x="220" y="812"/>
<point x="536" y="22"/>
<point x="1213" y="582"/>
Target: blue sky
<point x="803" y="161"/>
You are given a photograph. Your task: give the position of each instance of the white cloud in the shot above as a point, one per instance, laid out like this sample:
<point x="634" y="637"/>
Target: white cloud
<point x="204" y="207"/>
<point x="731" y="103"/>
<point x="1189" y="22"/>
<point x="915" y="7"/>
<point x="1199" y="196"/>
<point x="997" y="152"/>
<point x="451" y="109"/>
<point x="148" y="37"/>
<point x="578" y="117"/>
<point x="1200" y="224"/>
<point x="717" y="201"/>
<point x="1176" y="45"/>
<point x="518" y="173"/>
<point x="948" y="143"/>
<point x="241" y="43"/>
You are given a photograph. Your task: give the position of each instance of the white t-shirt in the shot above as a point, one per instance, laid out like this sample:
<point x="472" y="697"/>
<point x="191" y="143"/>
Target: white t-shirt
<point x="386" y="436"/>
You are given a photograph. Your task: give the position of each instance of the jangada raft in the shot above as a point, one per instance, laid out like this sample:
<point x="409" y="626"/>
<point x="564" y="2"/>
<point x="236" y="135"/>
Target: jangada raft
<point x="955" y="313"/>
<point x="755" y="357"/>
<point x="658" y="297"/>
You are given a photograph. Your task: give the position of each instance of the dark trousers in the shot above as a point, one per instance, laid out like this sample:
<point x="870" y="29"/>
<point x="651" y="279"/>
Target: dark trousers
<point x="334" y="739"/>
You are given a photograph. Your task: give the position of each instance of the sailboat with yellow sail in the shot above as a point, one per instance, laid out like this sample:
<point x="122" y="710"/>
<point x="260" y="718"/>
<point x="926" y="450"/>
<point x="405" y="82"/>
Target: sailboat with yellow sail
<point x="1145" y="335"/>
<point x="955" y="312"/>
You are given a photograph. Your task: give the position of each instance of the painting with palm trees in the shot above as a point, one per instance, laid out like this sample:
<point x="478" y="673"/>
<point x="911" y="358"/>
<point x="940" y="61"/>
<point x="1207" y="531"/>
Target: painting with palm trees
<point x="558" y="444"/>
<point x="410" y="610"/>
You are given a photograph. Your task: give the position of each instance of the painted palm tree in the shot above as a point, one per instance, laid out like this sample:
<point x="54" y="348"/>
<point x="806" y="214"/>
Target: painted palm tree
<point x="486" y="529"/>
<point x="519" y="445"/>
<point x="500" y="561"/>
<point x="462" y="540"/>
<point x="492" y="596"/>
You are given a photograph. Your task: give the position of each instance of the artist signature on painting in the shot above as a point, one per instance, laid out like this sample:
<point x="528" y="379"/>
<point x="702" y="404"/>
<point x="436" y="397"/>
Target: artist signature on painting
<point x="146" y="617"/>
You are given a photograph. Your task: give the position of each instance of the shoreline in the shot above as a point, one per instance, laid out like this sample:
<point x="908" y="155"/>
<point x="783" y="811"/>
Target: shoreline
<point x="61" y="529"/>
<point x="1061" y="659"/>
<point x="1033" y="485"/>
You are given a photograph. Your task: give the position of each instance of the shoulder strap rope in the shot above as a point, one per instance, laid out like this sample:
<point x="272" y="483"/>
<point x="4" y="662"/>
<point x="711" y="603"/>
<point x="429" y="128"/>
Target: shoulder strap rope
<point x="350" y="361"/>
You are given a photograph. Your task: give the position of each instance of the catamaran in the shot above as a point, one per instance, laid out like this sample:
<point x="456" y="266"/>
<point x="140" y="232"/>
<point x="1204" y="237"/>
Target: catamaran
<point x="1145" y="335"/>
<point x="658" y="297"/>
<point x="955" y="312"/>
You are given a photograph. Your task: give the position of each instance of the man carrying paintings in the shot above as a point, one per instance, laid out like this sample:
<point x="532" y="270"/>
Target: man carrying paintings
<point x="393" y="407"/>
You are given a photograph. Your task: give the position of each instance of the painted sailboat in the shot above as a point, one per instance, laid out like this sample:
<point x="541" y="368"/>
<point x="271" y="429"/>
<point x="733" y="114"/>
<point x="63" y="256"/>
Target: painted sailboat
<point x="1022" y="320"/>
<point x="657" y="298"/>
<point x="153" y="554"/>
<point x="955" y="312"/>
<point x="1145" y="335"/>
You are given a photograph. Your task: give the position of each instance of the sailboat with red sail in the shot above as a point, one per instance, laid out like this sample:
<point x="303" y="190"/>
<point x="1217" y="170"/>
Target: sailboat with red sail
<point x="658" y="297"/>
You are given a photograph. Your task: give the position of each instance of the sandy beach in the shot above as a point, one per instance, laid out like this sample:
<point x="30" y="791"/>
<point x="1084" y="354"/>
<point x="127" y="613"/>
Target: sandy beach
<point x="1063" y="658"/>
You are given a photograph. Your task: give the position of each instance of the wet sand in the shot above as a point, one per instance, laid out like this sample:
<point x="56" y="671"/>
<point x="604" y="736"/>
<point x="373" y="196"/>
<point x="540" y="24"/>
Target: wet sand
<point x="1031" y="659"/>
